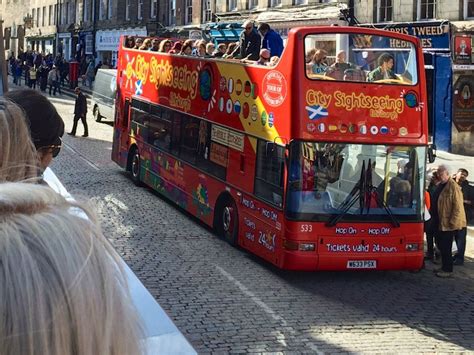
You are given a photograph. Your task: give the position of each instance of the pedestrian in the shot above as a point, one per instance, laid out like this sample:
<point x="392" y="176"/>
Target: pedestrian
<point x="33" y="75"/>
<point x="271" y="39"/>
<point x="64" y="288"/>
<point x="45" y="123"/>
<point x="448" y="218"/>
<point x="53" y="81"/>
<point x="250" y="42"/>
<point x="468" y="198"/>
<point x="90" y="73"/>
<point x="429" y="230"/>
<point x="80" y="113"/>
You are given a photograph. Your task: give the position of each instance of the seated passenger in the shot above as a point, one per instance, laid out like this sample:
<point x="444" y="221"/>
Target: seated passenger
<point x="146" y="45"/>
<point x="176" y="49"/>
<point x="187" y="49"/>
<point x="210" y="47"/>
<point x="263" y="59"/>
<point x="232" y="50"/>
<point x="336" y="70"/>
<point x="384" y="70"/>
<point x="155" y="45"/>
<point x="165" y="46"/>
<point x="220" y="51"/>
<point x="318" y="64"/>
<point x="273" y="61"/>
<point x="64" y="289"/>
<point x="129" y="42"/>
<point x="138" y="43"/>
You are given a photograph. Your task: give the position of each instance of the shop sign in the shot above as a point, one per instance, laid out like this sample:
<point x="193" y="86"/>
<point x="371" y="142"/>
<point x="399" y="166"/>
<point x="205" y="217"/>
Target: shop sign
<point x="463" y="113"/>
<point x="462" y="49"/>
<point x="109" y="40"/>
<point x="433" y="35"/>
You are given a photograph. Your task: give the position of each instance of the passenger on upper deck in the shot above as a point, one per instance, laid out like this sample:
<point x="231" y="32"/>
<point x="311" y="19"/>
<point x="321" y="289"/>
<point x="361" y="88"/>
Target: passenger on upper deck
<point x="187" y="48"/>
<point x="138" y="43"/>
<point x="318" y="65"/>
<point x="146" y="45"/>
<point x="210" y="48"/>
<point x="165" y="46"/>
<point x="271" y="39"/>
<point x="384" y="70"/>
<point x="231" y="49"/>
<point x="176" y="49"/>
<point x="200" y="49"/>
<point x="264" y="58"/>
<point x="129" y="42"/>
<point x="220" y="51"/>
<point x="250" y="42"/>
<point x="155" y="45"/>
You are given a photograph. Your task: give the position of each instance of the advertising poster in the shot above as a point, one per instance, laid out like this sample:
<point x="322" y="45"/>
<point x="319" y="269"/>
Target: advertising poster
<point x="462" y="49"/>
<point x="463" y="113"/>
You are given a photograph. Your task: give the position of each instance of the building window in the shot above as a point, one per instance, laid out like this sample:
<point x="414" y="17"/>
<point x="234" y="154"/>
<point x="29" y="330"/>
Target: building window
<point x="468" y="9"/>
<point x="188" y="12"/>
<point x="86" y="11"/>
<point x="154" y="9"/>
<point x="109" y="8"/>
<point x="232" y="5"/>
<point x="51" y="14"/>
<point x="275" y="3"/>
<point x="384" y="10"/>
<point x="127" y="10"/>
<point x="206" y="11"/>
<point x="426" y="9"/>
<point x="102" y="9"/>
<point x="55" y="14"/>
<point x="172" y="21"/>
<point x="43" y="18"/>
<point x="140" y="10"/>
<point x="301" y="2"/>
<point x="38" y="16"/>
<point x="33" y="15"/>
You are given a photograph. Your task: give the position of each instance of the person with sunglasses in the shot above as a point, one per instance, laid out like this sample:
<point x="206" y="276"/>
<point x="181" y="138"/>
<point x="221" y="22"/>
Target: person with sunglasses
<point x="46" y="125"/>
<point x="250" y="42"/>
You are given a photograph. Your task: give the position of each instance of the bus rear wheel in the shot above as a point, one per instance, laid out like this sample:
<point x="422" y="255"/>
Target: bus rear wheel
<point x="228" y="224"/>
<point x="135" y="166"/>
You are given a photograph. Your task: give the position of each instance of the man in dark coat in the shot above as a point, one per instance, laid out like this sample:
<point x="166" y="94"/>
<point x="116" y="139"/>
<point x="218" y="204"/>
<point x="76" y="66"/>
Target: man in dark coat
<point x="250" y="42"/>
<point x="80" y="112"/>
<point x="385" y="69"/>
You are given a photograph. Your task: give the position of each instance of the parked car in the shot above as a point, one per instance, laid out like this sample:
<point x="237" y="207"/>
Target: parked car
<point x="103" y="94"/>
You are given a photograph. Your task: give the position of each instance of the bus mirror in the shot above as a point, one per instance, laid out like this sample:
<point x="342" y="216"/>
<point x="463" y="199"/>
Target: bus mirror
<point x="431" y="153"/>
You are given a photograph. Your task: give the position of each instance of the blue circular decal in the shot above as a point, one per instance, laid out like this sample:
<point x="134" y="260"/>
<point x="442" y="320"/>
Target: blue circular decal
<point x="411" y="100"/>
<point x="205" y="81"/>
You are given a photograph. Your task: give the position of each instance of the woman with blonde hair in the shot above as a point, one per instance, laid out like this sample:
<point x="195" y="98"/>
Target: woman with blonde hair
<point x="165" y="46"/>
<point x="18" y="157"/>
<point x="63" y="286"/>
<point x="146" y="45"/>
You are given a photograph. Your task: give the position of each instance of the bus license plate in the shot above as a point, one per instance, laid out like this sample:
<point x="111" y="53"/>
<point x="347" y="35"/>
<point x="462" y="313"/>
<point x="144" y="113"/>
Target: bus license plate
<point x="362" y="264"/>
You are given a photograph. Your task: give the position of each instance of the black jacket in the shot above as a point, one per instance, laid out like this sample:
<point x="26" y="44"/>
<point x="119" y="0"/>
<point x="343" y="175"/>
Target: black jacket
<point x="250" y="45"/>
<point x="80" y="108"/>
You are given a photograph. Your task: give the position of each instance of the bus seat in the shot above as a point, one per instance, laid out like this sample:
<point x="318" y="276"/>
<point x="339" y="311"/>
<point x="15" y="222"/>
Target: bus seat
<point x="354" y="74"/>
<point x="334" y="73"/>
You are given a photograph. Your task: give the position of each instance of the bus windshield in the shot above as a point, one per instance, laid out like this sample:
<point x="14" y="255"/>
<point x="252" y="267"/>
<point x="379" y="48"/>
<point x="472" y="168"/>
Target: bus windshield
<point x="360" y="57"/>
<point x="323" y="177"/>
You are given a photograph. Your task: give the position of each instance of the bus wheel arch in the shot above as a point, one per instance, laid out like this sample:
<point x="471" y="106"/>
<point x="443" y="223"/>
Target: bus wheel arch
<point x="226" y="219"/>
<point x="133" y="164"/>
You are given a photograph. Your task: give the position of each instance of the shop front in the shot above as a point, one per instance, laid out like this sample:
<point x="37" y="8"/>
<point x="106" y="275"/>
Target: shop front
<point x="64" y="45"/>
<point x="107" y="42"/>
<point x="435" y="40"/>
<point x="463" y="89"/>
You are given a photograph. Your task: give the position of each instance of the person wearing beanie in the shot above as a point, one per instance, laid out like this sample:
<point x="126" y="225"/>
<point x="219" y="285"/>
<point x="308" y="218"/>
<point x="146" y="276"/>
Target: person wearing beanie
<point x="46" y="125"/>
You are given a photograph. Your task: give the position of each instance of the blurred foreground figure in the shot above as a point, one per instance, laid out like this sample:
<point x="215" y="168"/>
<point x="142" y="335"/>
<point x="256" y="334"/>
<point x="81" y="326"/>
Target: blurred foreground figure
<point x="62" y="285"/>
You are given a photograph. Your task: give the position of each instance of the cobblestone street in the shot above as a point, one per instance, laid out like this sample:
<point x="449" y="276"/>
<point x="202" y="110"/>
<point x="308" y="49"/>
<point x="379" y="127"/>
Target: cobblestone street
<point x="226" y="301"/>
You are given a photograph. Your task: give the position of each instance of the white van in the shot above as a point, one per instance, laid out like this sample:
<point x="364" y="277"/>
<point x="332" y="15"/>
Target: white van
<point x="103" y="94"/>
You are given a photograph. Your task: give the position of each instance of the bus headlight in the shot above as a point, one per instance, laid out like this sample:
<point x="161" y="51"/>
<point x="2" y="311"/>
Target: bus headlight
<point x="292" y="245"/>
<point x="412" y="247"/>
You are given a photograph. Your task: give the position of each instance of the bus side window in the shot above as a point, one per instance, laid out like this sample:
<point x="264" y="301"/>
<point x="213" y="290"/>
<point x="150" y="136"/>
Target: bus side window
<point x="269" y="172"/>
<point x="175" y="133"/>
<point x="189" y="138"/>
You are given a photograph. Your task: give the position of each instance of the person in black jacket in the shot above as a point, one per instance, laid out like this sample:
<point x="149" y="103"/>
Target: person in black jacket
<point x="80" y="112"/>
<point x="250" y="42"/>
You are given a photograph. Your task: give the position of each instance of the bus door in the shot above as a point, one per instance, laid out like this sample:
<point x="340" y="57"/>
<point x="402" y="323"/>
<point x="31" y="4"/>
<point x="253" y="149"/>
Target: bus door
<point x="121" y="139"/>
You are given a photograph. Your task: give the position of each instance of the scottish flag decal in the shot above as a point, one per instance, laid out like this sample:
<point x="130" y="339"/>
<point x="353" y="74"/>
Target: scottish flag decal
<point x="316" y="112"/>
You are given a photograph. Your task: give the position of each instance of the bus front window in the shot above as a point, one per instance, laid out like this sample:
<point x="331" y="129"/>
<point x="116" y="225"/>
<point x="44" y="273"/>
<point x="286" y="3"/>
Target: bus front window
<point x="323" y="177"/>
<point x="359" y="57"/>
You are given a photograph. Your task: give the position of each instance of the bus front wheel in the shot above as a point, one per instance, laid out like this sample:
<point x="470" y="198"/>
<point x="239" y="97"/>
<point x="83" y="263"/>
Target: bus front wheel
<point x="228" y="224"/>
<point x="135" y="167"/>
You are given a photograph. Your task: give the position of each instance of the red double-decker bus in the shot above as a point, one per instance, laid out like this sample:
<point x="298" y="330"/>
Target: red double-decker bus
<point x="315" y="163"/>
